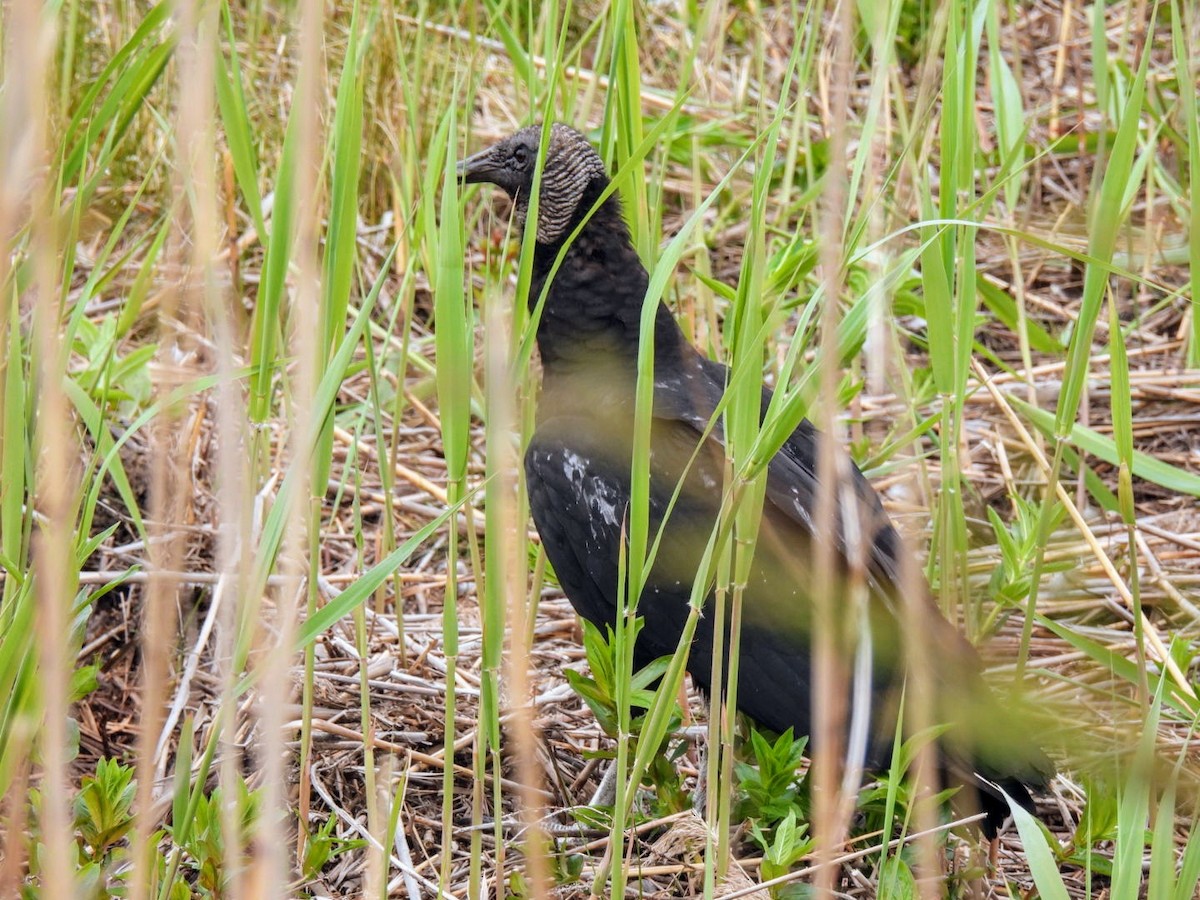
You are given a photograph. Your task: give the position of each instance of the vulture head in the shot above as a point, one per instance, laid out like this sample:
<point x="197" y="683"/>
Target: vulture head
<point x="572" y="164"/>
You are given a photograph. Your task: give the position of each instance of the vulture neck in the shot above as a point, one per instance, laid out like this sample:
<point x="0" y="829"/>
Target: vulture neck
<point x="590" y="324"/>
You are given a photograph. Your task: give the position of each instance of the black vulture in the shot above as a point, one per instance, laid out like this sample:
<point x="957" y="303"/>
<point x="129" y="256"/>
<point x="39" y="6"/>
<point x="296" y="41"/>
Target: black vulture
<point x="577" y="466"/>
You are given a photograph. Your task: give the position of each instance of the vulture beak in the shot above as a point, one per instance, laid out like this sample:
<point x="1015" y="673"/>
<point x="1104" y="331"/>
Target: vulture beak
<point x="480" y="168"/>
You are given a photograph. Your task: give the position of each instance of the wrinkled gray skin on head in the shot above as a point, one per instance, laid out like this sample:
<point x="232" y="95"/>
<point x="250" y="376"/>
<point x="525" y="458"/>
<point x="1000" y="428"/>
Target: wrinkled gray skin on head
<point x="571" y="165"/>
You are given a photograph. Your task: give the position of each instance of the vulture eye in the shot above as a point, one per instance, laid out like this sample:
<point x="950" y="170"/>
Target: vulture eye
<point x="520" y="156"/>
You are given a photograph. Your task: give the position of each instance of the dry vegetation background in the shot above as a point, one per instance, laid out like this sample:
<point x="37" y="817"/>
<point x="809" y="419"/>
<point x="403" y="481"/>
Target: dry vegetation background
<point x="145" y="306"/>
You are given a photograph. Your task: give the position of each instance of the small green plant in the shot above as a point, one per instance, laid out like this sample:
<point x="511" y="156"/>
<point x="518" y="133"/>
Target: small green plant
<point x="1018" y="544"/>
<point x="107" y="376"/>
<point x="896" y="878"/>
<point x="599" y="692"/>
<point x="782" y="850"/>
<point x="205" y="842"/>
<point x="103" y="811"/>
<point x="772" y="797"/>
<point x="1097" y="824"/>
<point x="322" y="845"/>
<point x="912" y="29"/>
<point x="565" y="868"/>
<point x="769" y="788"/>
<point x="886" y="801"/>
<point x="103" y="819"/>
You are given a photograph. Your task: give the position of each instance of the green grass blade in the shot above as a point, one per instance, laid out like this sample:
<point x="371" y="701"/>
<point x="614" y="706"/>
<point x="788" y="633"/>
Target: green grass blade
<point x="271" y="536"/>
<point x="1161" y="883"/>
<point x="1144" y="466"/>
<point x="272" y="287"/>
<point x="14" y="440"/>
<point x="128" y="91"/>
<point x="1038" y="853"/>
<point x="231" y="101"/>
<point x="454" y="342"/>
<point x="1187" y="73"/>
<point x="1107" y="215"/>
<point x="1134" y="808"/>
<point x="365" y="586"/>
<point x="1111" y="661"/>
<point x="1004" y="308"/>
<point x="1189" y="868"/>
<point x="93" y="419"/>
<point x="341" y="238"/>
